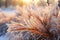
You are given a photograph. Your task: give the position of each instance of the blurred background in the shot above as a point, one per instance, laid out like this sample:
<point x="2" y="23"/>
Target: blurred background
<point x="10" y="3"/>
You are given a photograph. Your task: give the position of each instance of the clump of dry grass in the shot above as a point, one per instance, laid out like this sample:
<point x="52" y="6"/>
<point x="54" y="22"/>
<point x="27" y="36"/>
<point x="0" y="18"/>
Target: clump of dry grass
<point x="40" y="21"/>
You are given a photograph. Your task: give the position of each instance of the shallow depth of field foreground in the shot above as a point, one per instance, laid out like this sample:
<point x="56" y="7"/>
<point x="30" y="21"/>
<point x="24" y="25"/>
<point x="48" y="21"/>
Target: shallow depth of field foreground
<point x="30" y="22"/>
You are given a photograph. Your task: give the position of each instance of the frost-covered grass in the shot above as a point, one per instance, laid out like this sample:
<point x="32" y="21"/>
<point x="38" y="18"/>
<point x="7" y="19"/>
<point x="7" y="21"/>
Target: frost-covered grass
<point x="33" y="23"/>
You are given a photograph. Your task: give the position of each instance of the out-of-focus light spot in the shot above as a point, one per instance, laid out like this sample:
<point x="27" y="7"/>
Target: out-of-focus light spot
<point x="27" y="1"/>
<point x="36" y="1"/>
<point x="45" y="0"/>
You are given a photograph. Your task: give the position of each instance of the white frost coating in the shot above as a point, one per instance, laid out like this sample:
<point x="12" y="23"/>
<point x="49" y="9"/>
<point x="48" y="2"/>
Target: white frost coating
<point x="45" y="20"/>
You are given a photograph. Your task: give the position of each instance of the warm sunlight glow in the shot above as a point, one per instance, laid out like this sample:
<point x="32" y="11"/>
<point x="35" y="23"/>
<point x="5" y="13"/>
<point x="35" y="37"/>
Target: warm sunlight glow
<point x="45" y="0"/>
<point x="27" y="1"/>
<point x="36" y="1"/>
